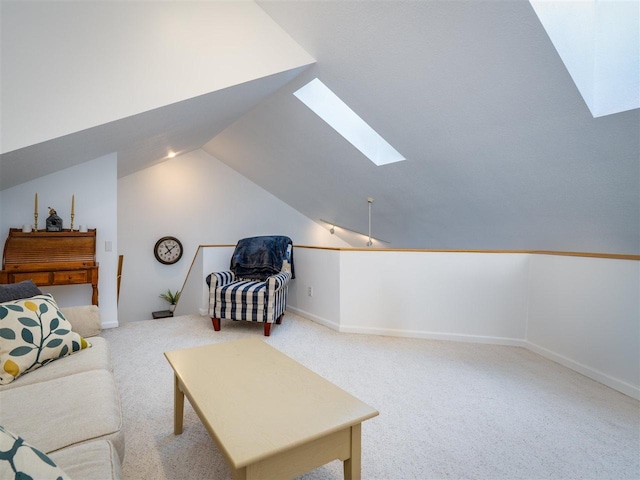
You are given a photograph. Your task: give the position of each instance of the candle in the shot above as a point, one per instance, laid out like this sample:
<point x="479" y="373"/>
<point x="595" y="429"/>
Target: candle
<point x="73" y="202"/>
<point x="35" y="210"/>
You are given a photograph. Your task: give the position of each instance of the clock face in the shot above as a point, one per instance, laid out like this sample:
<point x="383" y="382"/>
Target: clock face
<point x="168" y="250"/>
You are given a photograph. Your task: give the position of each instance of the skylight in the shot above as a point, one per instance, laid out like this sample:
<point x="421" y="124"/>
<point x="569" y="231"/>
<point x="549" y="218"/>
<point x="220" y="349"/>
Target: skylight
<point x="326" y="104"/>
<point x="598" y="42"/>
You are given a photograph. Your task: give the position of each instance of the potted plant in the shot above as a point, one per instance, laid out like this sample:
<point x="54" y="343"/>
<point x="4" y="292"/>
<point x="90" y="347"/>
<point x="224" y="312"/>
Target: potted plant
<point x="172" y="298"/>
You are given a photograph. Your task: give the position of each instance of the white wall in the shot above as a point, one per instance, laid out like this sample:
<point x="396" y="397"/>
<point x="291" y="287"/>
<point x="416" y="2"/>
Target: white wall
<point x="320" y="270"/>
<point x="94" y="185"/>
<point x="195" y="292"/>
<point x="581" y="312"/>
<point x="456" y="296"/>
<point x="585" y="314"/>
<point x="201" y="201"/>
<point x="165" y="52"/>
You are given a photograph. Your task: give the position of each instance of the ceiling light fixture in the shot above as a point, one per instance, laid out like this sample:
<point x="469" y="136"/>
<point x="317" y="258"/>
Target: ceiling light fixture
<point x="335" y="226"/>
<point x="171" y="154"/>
<point x="369" y="201"/>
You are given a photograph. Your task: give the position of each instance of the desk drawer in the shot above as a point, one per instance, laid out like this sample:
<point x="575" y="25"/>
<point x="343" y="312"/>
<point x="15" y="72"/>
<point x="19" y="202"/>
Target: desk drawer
<point x="65" y="278"/>
<point x="39" y="278"/>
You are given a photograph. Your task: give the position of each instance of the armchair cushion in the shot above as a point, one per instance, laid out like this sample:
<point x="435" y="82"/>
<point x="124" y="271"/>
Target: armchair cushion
<point x="244" y="298"/>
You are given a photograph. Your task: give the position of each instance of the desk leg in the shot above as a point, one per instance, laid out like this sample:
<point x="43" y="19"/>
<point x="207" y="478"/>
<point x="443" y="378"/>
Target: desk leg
<point x="178" y="405"/>
<point x="94" y="295"/>
<point x="352" y="464"/>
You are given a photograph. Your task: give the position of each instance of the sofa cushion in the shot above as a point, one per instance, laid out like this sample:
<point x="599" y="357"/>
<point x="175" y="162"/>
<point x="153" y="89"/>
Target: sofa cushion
<point x="95" y="358"/>
<point x="85" y="320"/>
<point x="65" y="411"/>
<point x="34" y="332"/>
<point x="17" y="291"/>
<point x="96" y="460"/>
<point x="21" y="460"/>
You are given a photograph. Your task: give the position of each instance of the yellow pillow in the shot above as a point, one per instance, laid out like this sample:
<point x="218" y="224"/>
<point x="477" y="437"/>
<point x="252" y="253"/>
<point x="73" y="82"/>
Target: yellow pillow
<point x="33" y="333"/>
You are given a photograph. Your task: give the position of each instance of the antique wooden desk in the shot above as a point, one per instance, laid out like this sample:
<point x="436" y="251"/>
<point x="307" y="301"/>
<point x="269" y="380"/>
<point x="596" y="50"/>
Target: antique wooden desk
<point x="51" y="258"/>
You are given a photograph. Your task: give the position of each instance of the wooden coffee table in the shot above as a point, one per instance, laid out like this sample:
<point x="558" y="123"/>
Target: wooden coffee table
<point x="269" y="416"/>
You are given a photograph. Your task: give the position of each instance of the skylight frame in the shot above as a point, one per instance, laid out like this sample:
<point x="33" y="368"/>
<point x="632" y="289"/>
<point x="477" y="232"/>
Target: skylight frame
<point x="339" y="116"/>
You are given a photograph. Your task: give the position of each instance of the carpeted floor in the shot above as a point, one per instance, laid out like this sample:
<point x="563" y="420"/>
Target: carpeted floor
<point x="447" y="410"/>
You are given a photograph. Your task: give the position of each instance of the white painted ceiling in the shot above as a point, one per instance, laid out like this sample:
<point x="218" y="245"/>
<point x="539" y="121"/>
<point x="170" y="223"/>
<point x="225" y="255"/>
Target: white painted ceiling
<point x="502" y="152"/>
<point x="142" y="140"/>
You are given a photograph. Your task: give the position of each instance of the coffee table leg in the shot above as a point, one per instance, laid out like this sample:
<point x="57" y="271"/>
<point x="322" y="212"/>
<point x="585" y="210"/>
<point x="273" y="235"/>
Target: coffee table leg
<point x="178" y="405"/>
<point x="352" y="464"/>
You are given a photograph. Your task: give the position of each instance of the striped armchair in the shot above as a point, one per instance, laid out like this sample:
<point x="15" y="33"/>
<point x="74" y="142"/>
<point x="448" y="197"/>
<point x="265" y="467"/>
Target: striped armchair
<point x="255" y="288"/>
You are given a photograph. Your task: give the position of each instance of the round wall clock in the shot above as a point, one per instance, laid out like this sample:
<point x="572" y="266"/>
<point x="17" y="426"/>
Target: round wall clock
<point x="168" y="250"/>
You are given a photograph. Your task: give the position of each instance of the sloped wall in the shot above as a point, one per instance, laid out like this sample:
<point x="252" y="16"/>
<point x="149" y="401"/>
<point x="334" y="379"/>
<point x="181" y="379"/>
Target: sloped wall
<point x="201" y="201"/>
<point x="68" y="66"/>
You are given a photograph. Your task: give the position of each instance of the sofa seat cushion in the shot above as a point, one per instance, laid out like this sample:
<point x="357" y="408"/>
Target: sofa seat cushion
<point x="65" y="411"/>
<point x="95" y="358"/>
<point x="97" y="460"/>
<point x="242" y="300"/>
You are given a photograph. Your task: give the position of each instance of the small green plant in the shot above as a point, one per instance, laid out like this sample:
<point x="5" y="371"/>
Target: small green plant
<point x="172" y="298"/>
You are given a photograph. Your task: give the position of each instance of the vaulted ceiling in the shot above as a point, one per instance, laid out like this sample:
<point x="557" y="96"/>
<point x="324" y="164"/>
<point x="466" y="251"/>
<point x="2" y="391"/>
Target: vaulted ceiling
<point x="502" y="152"/>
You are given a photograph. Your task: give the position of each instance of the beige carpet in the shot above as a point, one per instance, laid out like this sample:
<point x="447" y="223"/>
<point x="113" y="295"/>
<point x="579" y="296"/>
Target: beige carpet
<point x="447" y="410"/>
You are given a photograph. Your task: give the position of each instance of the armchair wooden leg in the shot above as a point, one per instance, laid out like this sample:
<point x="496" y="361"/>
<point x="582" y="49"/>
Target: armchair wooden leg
<point x="216" y="324"/>
<point x="267" y="329"/>
<point x="279" y="320"/>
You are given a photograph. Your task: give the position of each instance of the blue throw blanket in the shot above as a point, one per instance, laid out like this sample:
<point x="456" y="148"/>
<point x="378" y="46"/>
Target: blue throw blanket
<point x="261" y="257"/>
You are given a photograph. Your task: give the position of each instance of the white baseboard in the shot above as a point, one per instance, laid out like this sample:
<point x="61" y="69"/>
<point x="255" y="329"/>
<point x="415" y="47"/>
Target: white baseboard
<point x="596" y="375"/>
<point x="393" y="332"/>
<point x="315" y="318"/>
<point x="111" y="324"/>
<point x="454" y="337"/>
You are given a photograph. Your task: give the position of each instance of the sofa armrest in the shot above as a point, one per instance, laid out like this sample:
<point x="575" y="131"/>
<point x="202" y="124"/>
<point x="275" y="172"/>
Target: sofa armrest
<point x="84" y="320"/>
<point x="215" y="280"/>
<point x="220" y="279"/>
<point x="277" y="281"/>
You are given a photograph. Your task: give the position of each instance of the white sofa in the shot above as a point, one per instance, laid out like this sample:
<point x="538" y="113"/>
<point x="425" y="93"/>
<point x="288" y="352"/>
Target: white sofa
<point x="70" y="408"/>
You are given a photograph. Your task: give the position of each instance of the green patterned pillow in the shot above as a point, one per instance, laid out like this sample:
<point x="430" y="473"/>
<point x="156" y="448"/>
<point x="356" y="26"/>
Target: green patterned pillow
<point x="20" y="460"/>
<point x="33" y="333"/>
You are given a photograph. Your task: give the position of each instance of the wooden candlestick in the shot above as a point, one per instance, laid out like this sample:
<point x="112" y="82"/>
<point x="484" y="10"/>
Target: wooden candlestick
<point x="73" y="208"/>
<point x="35" y="214"/>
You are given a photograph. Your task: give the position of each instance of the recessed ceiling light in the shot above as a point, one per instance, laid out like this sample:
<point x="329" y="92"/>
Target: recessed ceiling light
<point x="328" y="106"/>
<point x="171" y="154"/>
